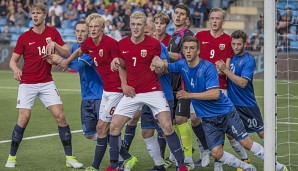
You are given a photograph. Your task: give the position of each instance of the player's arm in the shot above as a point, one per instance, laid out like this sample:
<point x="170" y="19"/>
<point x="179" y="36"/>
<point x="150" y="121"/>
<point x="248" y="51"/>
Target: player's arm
<point x="175" y="56"/>
<point x="127" y="90"/>
<point x="211" y="94"/>
<point x="117" y="63"/>
<point x="17" y="73"/>
<point x="64" y="63"/>
<point x="242" y="82"/>
<point x="159" y="66"/>
<point x="62" y="50"/>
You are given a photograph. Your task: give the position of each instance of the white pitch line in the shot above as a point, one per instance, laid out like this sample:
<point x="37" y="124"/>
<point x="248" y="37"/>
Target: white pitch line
<point x="40" y="136"/>
<point x="287" y="123"/>
<point x="15" y="88"/>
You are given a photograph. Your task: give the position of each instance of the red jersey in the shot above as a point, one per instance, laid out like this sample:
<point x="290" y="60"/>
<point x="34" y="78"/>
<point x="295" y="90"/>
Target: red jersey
<point x="166" y="40"/>
<point x="33" y="47"/>
<point x="102" y="56"/>
<point x="138" y="58"/>
<point x="215" y="49"/>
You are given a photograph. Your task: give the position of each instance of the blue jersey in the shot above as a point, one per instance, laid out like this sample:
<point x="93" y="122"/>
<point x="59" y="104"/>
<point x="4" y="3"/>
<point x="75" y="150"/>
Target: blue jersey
<point x="199" y="79"/>
<point x="165" y="79"/>
<point x="242" y="66"/>
<point x="91" y="83"/>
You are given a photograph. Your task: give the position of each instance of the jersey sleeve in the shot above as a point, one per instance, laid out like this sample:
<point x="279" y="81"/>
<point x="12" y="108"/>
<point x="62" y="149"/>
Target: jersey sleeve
<point x="211" y="77"/>
<point x="248" y="70"/>
<point x="19" y="48"/>
<point x="58" y="38"/>
<point x="164" y="52"/>
<point x="84" y="48"/>
<point x="174" y="67"/>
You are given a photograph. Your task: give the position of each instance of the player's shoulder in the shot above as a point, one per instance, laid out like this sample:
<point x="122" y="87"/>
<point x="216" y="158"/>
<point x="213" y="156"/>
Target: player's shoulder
<point x="227" y="36"/>
<point x="249" y="56"/>
<point x="203" y="32"/>
<point x="206" y="63"/>
<point x="110" y="39"/>
<point x="51" y="29"/>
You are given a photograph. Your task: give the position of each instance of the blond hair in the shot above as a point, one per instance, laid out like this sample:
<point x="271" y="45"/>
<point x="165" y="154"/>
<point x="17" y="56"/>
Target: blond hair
<point x="218" y="10"/>
<point x="138" y="15"/>
<point x="95" y="16"/>
<point x="163" y="17"/>
<point x="39" y="6"/>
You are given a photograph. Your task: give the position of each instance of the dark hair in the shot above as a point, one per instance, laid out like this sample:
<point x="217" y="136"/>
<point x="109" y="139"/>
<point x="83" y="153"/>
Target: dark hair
<point x="80" y="22"/>
<point x="239" y="34"/>
<point x="191" y="39"/>
<point x="185" y="7"/>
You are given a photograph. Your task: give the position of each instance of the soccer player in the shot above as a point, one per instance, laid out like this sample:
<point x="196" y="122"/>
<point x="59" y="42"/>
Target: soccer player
<point x="91" y="84"/>
<point x="102" y="50"/>
<point x="138" y="51"/>
<point x="36" y="80"/>
<point x="215" y="46"/>
<point x="218" y="114"/>
<point x="240" y="86"/>
<point x="181" y="17"/>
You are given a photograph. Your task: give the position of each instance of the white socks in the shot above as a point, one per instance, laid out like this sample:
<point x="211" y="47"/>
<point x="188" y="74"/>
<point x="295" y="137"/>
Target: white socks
<point x="239" y="149"/>
<point x="258" y="150"/>
<point x="231" y="160"/>
<point x="154" y="150"/>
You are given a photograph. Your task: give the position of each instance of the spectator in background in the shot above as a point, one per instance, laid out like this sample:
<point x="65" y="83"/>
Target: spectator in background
<point x="116" y="18"/>
<point x="149" y="8"/>
<point x="57" y="8"/>
<point x="107" y="16"/>
<point x="118" y="9"/>
<point x="260" y="24"/>
<point x="108" y="27"/>
<point x="257" y="42"/>
<point x="11" y="17"/>
<point x="79" y="6"/>
<point x="3" y="9"/>
<point x="200" y="13"/>
<point x="285" y="22"/>
<point x="138" y="7"/>
<point x="168" y="8"/>
<point x="90" y="9"/>
<point x="101" y="10"/>
<point x="156" y="6"/>
<point x="53" y="20"/>
<point x="126" y="19"/>
<point x="70" y="16"/>
<point x="21" y="17"/>
<point x="5" y="37"/>
<point x="115" y="33"/>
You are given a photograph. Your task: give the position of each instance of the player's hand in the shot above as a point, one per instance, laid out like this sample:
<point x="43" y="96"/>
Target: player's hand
<point x="156" y="64"/>
<point x="56" y="58"/>
<point x="17" y="75"/>
<point x="115" y="64"/>
<point x="50" y="48"/>
<point x="220" y="66"/>
<point x="182" y="94"/>
<point x="128" y="91"/>
<point x="63" y="65"/>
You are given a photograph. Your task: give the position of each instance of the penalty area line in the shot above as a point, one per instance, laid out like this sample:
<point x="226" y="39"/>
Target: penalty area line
<point x="40" y="136"/>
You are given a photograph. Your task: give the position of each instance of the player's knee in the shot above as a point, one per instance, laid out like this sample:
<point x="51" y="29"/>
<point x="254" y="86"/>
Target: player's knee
<point x="114" y="129"/>
<point x="167" y="127"/>
<point x="261" y="134"/>
<point x="195" y="121"/>
<point x="133" y="122"/>
<point x="102" y="130"/>
<point x="181" y="120"/>
<point x="217" y="153"/>
<point x="147" y="133"/>
<point x="90" y="137"/>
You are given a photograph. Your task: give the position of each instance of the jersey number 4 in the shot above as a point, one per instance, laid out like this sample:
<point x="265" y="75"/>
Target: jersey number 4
<point x="41" y="50"/>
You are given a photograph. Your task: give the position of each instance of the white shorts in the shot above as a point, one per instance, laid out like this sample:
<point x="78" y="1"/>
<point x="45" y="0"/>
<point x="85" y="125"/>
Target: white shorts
<point x="155" y="100"/>
<point x="225" y="92"/>
<point x="108" y="104"/>
<point x="47" y="93"/>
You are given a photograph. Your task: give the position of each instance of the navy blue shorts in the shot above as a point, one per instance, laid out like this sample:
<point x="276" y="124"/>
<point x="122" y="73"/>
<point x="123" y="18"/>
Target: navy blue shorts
<point x="251" y="118"/>
<point x="89" y="116"/>
<point x="182" y="107"/>
<point x="216" y="127"/>
<point x="147" y="119"/>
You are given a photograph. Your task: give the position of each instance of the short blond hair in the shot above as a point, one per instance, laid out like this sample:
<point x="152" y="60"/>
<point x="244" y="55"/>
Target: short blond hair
<point x="95" y="16"/>
<point x="163" y="17"/>
<point x="39" y="6"/>
<point x="138" y="15"/>
<point x="218" y="10"/>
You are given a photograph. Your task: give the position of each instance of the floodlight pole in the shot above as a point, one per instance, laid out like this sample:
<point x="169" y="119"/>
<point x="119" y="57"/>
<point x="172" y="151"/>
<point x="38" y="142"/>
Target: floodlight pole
<point x="269" y="84"/>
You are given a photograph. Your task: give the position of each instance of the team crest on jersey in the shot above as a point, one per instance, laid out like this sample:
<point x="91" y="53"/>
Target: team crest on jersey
<point x="222" y="46"/>
<point x="240" y="62"/>
<point x="100" y="52"/>
<point x="48" y="39"/>
<point x="177" y="40"/>
<point x="143" y="53"/>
